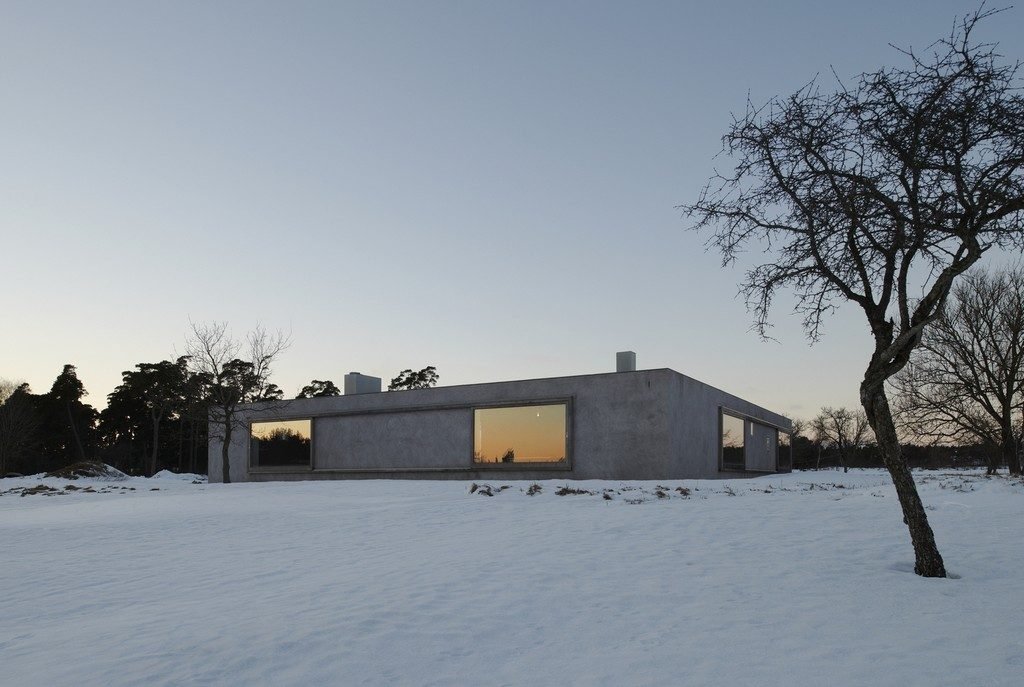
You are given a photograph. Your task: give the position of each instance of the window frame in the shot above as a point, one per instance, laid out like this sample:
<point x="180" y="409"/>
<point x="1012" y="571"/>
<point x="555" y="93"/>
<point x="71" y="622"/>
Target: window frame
<point x="565" y="464"/>
<point x="271" y="469"/>
<point x="722" y="413"/>
<point x="747" y="420"/>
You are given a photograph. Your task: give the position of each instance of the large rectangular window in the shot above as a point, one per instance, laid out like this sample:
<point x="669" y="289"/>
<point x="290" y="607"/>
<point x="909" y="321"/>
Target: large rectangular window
<point x="285" y="443"/>
<point x="732" y="443"/>
<point x="521" y="434"/>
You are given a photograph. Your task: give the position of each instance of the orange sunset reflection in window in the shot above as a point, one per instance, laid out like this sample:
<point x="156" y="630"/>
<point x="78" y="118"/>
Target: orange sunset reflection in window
<point x="520" y="434"/>
<point x="283" y="443"/>
<point x="732" y="442"/>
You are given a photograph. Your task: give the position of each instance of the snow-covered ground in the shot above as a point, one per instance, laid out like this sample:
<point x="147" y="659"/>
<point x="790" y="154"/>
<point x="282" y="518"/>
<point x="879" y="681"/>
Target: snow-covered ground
<point x="801" y="579"/>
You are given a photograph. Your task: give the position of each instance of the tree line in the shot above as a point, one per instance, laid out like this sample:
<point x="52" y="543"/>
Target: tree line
<point x="153" y="420"/>
<point x="161" y="415"/>
<point x="821" y="443"/>
<point x="960" y="398"/>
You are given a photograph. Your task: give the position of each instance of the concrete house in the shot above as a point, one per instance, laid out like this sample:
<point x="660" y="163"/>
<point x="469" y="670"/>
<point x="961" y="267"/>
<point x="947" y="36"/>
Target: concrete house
<point x="635" y="425"/>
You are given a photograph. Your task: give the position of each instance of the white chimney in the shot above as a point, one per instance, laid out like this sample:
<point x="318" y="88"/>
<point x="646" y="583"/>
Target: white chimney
<point x="625" y="361"/>
<point x="356" y="383"/>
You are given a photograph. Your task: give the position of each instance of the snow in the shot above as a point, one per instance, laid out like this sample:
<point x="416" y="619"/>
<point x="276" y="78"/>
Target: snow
<point x="183" y="476"/>
<point x="90" y="470"/>
<point x="801" y="579"/>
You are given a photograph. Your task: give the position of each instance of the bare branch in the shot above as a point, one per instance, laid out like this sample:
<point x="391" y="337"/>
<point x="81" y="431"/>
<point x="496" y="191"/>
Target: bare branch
<point x="966" y="382"/>
<point x="213" y="353"/>
<point x="881" y="193"/>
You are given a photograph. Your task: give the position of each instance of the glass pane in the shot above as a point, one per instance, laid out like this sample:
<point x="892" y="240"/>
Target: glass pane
<point x="280" y="444"/>
<point x="521" y="434"/>
<point x="732" y="442"/>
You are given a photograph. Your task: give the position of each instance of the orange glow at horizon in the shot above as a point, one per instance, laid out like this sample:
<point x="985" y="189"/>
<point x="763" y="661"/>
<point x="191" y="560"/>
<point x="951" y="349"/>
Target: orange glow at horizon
<point x="265" y="430"/>
<point x="536" y="434"/>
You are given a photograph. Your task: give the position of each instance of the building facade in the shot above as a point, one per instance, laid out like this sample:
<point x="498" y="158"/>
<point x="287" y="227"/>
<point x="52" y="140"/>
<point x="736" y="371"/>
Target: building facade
<point x="650" y="424"/>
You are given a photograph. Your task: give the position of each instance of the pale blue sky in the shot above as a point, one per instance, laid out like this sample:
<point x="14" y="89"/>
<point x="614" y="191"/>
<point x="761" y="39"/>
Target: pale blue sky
<point x="486" y="187"/>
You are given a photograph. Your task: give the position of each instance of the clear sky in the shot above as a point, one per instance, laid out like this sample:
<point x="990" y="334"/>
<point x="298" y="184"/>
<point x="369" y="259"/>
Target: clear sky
<point x="486" y="187"/>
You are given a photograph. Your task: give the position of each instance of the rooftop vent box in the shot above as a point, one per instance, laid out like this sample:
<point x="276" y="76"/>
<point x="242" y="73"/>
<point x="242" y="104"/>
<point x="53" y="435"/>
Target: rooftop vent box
<point x="356" y="383"/>
<point x="625" y="361"/>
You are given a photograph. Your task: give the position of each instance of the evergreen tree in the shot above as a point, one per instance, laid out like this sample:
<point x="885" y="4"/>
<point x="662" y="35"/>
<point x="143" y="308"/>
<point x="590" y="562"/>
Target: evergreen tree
<point x="146" y="397"/>
<point x="68" y="426"/>
<point x="19" y="424"/>
<point x="407" y="379"/>
<point x="319" y="388"/>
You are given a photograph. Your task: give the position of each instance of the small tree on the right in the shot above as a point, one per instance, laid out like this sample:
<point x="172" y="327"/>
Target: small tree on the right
<point x="880" y="193"/>
<point x="842" y="430"/>
<point x="966" y="382"/>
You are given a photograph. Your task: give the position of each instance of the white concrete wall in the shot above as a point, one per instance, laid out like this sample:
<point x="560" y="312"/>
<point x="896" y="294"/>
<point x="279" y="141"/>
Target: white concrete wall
<point x="651" y="424"/>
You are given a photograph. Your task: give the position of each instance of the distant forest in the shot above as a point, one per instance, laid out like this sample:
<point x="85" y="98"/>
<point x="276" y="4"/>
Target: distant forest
<point x="814" y="452"/>
<point x="154" y="420"/>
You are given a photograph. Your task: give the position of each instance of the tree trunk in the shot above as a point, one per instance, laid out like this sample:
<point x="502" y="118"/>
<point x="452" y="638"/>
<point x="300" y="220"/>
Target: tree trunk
<point x="156" y="444"/>
<point x="181" y="445"/>
<point x="993" y="454"/>
<point x="74" y="432"/>
<point x="1009" y="452"/>
<point x="1008" y="442"/>
<point x="225" y="466"/>
<point x="193" y="439"/>
<point x="928" y="561"/>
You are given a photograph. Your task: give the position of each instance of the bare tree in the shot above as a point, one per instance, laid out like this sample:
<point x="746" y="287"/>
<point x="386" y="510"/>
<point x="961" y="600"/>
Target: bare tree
<point x="843" y="430"/>
<point x="799" y="426"/>
<point x="966" y="382"/>
<point x="19" y="422"/>
<point x="881" y="194"/>
<point x="803" y="444"/>
<point x="214" y="354"/>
